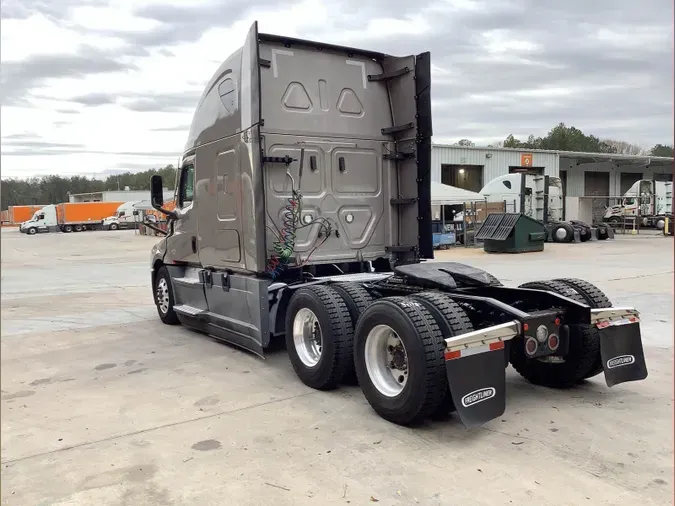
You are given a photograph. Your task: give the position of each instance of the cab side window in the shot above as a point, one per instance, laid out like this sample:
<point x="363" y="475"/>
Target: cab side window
<point x="187" y="186"/>
<point x="228" y="95"/>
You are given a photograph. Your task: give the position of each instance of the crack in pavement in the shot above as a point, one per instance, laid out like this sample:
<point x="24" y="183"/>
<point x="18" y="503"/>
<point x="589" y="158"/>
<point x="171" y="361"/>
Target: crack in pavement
<point x="151" y="429"/>
<point x="641" y="276"/>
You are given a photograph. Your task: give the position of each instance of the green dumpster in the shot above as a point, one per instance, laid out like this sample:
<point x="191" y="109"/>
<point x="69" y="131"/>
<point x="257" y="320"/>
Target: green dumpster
<point x="511" y="233"/>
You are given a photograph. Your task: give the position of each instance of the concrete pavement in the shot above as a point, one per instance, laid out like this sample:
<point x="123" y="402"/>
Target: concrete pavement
<point x="102" y="404"/>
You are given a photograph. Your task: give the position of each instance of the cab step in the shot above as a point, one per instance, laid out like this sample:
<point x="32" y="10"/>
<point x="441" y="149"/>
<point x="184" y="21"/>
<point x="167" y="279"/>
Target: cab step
<point x="189" y="310"/>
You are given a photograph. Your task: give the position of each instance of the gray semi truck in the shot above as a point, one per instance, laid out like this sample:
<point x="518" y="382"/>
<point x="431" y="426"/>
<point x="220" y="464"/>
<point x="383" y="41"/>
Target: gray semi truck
<point x="303" y="214"/>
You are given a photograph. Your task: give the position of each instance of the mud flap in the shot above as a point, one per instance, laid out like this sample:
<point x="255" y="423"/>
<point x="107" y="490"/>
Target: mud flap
<point x="477" y="383"/>
<point x="622" y="355"/>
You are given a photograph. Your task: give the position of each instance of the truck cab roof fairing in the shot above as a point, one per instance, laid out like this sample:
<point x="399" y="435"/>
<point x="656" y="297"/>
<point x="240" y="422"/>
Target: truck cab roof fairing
<point x="212" y="120"/>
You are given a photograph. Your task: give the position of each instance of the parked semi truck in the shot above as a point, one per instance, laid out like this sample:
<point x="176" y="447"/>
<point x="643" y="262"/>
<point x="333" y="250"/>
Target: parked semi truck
<point x="303" y="213"/>
<point x="127" y="215"/>
<point x="647" y="199"/>
<point x="69" y="217"/>
<point x="542" y="198"/>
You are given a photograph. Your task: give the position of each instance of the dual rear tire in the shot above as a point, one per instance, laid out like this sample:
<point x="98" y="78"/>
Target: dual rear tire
<point x="394" y="346"/>
<point x="583" y="359"/>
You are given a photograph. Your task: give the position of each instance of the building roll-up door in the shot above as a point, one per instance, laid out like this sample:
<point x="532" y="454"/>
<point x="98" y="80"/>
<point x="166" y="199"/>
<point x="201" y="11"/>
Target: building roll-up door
<point x="597" y="184"/>
<point x="627" y="180"/>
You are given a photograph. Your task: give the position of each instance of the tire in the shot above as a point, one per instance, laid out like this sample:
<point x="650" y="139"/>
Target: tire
<point x="357" y="299"/>
<point x="585" y="234"/>
<point x="584" y="348"/>
<point x="78" y="228"/>
<point x="452" y="321"/>
<point x="583" y="228"/>
<point x="68" y="228"/>
<point x="596" y="299"/>
<point x="325" y="307"/>
<point x="32" y="231"/>
<point x="562" y="233"/>
<point x="603" y="235"/>
<point x="614" y="221"/>
<point x="113" y="226"/>
<point x="416" y="393"/>
<point x="164" y="289"/>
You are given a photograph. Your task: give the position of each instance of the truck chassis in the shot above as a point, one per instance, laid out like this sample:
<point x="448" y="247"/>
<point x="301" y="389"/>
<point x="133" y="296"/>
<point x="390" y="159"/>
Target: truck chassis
<point x="422" y="341"/>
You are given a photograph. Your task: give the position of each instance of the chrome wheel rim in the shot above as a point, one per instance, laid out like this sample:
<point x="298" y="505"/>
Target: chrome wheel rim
<point x="163" y="296"/>
<point x="307" y="337"/>
<point x="386" y="360"/>
<point x="560" y="233"/>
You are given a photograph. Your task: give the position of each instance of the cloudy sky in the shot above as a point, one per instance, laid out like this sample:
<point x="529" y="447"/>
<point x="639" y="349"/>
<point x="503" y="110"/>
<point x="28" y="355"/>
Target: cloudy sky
<point x="96" y="86"/>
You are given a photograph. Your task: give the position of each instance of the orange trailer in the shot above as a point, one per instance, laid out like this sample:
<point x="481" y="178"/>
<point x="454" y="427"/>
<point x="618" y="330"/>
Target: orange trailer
<point x="77" y="216"/>
<point x="18" y="214"/>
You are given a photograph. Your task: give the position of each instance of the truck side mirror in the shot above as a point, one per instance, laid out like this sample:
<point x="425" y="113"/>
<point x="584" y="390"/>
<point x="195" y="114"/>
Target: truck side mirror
<point x="156" y="191"/>
<point x="157" y="196"/>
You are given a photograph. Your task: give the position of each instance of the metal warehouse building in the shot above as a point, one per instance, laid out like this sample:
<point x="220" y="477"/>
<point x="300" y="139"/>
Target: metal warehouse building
<point x="116" y="196"/>
<point x="583" y="174"/>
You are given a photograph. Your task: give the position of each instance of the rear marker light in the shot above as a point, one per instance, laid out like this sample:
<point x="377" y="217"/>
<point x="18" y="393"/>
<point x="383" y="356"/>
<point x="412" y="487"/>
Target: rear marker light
<point x="553" y="342"/>
<point x="531" y="346"/>
<point x="557" y="321"/>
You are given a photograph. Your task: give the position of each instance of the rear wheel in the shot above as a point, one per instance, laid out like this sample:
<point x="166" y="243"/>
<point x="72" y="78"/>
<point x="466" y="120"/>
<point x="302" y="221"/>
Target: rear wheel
<point x="357" y="300"/>
<point x="559" y="372"/>
<point x="68" y="228"/>
<point x="602" y="232"/>
<point x="319" y="336"/>
<point x="78" y="228"/>
<point x="452" y="321"/>
<point x="399" y="360"/>
<point x="596" y="299"/>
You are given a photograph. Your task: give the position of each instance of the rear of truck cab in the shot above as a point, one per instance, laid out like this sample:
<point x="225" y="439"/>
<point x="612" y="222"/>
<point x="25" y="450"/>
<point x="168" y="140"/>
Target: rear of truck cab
<point x="290" y="135"/>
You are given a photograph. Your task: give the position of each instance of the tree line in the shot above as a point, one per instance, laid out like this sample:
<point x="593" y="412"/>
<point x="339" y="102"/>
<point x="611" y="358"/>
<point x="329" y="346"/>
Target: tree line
<point x="55" y="189"/>
<point x="564" y="138"/>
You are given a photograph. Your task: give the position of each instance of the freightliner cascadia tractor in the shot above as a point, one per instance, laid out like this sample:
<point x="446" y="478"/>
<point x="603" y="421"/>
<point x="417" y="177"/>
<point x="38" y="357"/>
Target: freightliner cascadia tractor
<point x="303" y="214"/>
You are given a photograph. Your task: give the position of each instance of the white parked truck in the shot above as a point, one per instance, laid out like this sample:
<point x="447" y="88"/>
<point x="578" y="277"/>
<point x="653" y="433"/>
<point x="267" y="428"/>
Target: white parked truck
<point x="542" y="198"/>
<point x="303" y="214"/>
<point x="650" y="201"/>
<point x="128" y="215"/>
<point x="43" y="220"/>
